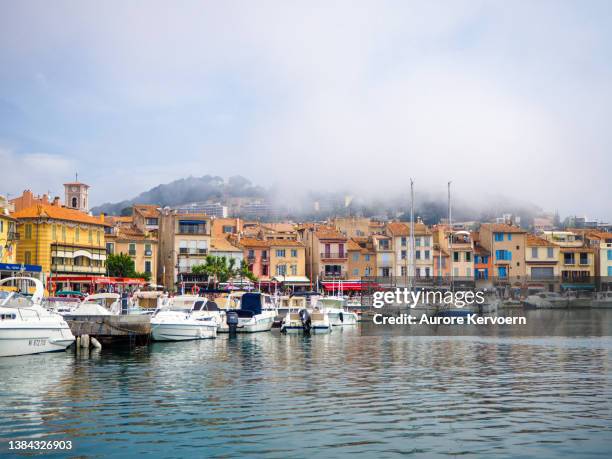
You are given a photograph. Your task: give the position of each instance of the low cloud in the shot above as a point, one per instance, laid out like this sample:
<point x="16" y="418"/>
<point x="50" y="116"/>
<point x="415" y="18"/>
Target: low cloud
<point x="41" y="172"/>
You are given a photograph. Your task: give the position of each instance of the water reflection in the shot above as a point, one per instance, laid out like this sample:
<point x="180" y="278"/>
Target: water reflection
<point x="356" y="391"/>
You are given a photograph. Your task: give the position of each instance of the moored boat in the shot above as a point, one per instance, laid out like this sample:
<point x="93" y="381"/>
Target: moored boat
<point x="546" y="300"/>
<point x="256" y="313"/>
<point x="28" y="328"/>
<point x="335" y="309"/>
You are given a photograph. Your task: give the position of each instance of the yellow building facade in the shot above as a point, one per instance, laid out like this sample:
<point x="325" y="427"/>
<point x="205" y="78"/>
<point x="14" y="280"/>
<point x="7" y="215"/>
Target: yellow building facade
<point x="63" y="241"/>
<point x="8" y="235"/>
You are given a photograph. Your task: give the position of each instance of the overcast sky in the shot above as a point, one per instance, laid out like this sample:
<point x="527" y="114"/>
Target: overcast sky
<point x="502" y="97"/>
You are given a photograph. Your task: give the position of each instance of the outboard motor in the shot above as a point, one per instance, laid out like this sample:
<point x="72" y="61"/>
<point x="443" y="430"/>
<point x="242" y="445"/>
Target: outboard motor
<point x="306" y="321"/>
<point x="231" y="318"/>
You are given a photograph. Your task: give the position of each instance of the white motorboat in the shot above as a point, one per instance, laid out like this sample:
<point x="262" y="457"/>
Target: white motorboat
<point x="199" y="307"/>
<point x="169" y="325"/>
<point x="98" y="304"/>
<point x="546" y="300"/>
<point x="256" y="313"/>
<point x="28" y="328"/>
<point x="335" y="309"/>
<point x="602" y="300"/>
<point x="307" y="322"/>
<point x="490" y="306"/>
<point x="103" y="304"/>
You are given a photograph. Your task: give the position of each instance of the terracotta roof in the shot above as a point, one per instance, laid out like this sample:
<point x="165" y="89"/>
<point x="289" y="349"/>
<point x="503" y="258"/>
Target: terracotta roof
<point x="113" y="220"/>
<point x="284" y="243"/>
<point x="252" y="242"/>
<point x="131" y="233"/>
<point x="223" y="245"/>
<point x="352" y="245"/>
<point x="535" y="241"/>
<point x="280" y="227"/>
<point x="147" y="210"/>
<point x="503" y="228"/>
<point x="599" y="235"/>
<point x="326" y="232"/>
<point x="58" y="213"/>
<point x="403" y="229"/>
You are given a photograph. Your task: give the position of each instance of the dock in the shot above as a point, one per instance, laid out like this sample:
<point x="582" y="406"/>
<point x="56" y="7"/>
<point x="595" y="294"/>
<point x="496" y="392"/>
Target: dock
<point x="135" y="329"/>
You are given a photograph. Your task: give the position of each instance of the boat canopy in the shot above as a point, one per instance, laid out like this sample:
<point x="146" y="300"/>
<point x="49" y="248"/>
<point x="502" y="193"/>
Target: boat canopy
<point x="251" y="302"/>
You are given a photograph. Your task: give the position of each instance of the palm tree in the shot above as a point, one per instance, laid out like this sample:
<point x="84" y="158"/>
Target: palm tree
<point x="220" y="269"/>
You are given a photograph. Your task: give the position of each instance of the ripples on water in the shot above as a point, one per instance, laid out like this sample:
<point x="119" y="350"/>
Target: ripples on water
<point x="345" y="393"/>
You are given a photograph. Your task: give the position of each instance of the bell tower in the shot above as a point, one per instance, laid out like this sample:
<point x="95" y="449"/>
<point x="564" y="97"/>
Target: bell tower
<point x="76" y="195"/>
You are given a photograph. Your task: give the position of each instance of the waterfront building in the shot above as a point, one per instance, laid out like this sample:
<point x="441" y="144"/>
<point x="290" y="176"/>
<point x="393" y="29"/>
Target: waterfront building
<point x="441" y="265"/>
<point x="222" y="227"/>
<point x="287" y="259"/>
<point x="146" y="217"/>
<point x="576" y="259"/>
<point x="326" y="254"/>
<point x="184" y="242"/>
<point x="459" y="246"/>
<point x="601" y="243"/>
<point x="423" y="250"/>
<point x="256" y="252"/>
<point x="541" y="262"/>
<point x="268" y="231"/>
<point x="361" y="257"/>
<point x="221" y="246"/>
<point x="8" y="234"/>
<point x="63" y="241"/>
<point x="506" y="243"/>
<point x="28" y="199"/>
<point x="483" y="262"/>
<point x="385" y="259"/>
<point x="141" y="246"/>
<point x="352" y="226"/>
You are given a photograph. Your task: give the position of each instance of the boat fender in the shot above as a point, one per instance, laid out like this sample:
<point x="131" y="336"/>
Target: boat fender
<point x="95" y="343"/>
<point x="341" y="317"/>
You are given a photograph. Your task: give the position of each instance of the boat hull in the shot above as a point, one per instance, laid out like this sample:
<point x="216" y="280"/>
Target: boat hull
<point x="29" y="340"/>
<point x="340" y="319"/>
<point x="181" y="332"/>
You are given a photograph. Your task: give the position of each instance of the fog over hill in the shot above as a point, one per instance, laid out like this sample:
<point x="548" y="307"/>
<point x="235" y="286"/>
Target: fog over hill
<point x="318" y="205"/>
<point x="186" y="190"/>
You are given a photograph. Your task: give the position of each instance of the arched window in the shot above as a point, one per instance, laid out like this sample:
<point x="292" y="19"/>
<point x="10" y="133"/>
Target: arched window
<point x="75" y="202"/>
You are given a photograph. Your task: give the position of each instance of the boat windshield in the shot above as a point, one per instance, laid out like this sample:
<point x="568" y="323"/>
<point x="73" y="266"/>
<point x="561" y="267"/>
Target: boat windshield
<point x="14" y="300"/>
<point x="331" y="303"/>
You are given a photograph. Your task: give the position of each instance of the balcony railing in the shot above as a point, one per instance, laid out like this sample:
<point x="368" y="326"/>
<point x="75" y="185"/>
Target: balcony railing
<point x="334" y="255"/>
<point x="197" y="252"/>
<point x="132" y="253"/>
<point x="148" y="253"/>
<point x="13" y="236"/>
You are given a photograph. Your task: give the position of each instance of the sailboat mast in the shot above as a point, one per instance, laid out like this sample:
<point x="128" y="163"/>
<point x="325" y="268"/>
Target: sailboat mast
<point x="412" y="245"/>
<point x="450" y="235"/>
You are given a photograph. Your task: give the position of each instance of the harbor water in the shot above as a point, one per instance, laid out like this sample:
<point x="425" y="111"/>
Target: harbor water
<point x="368" y="391"/>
